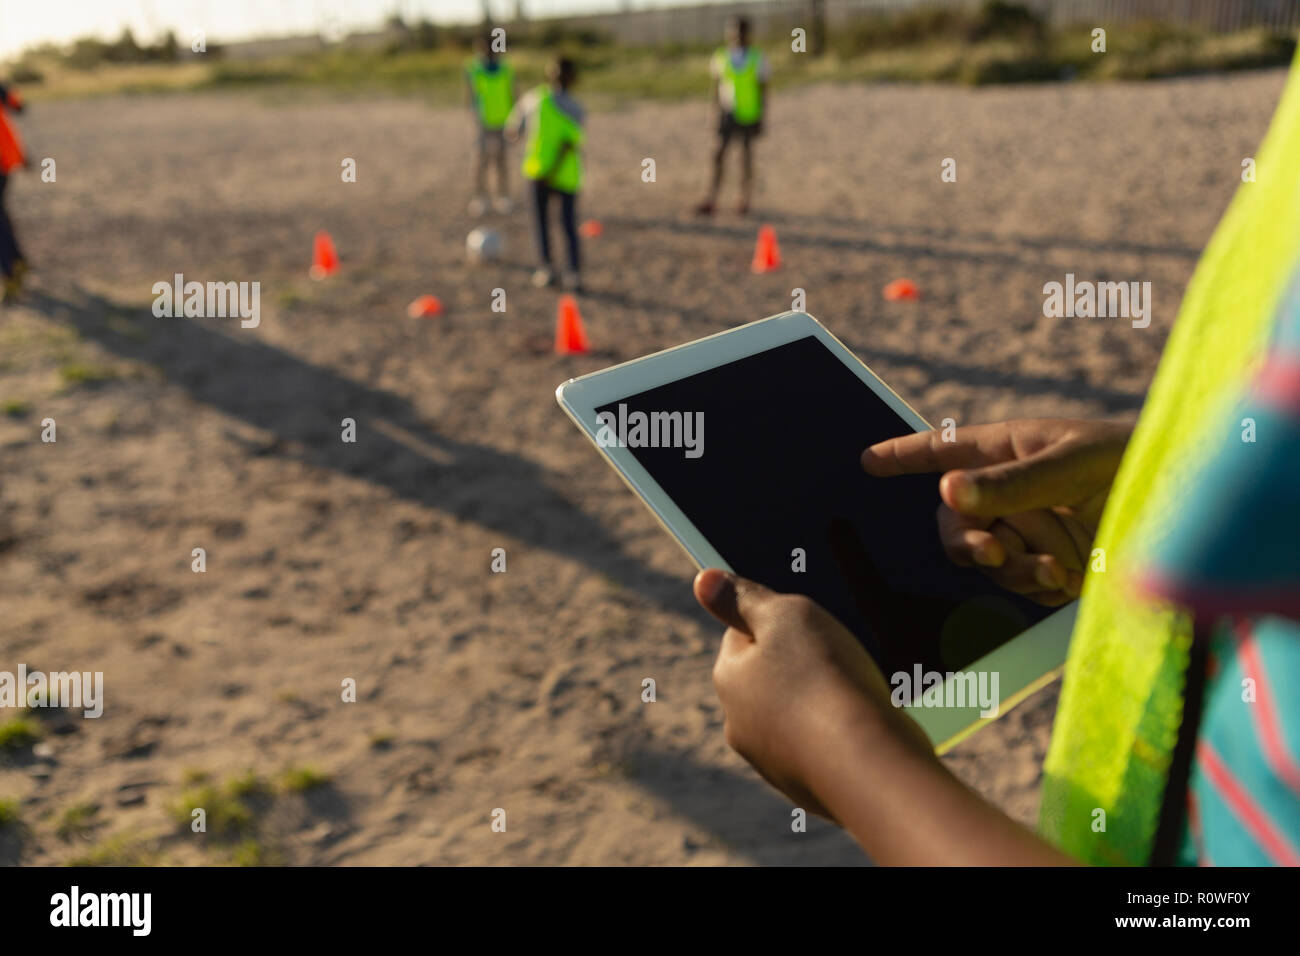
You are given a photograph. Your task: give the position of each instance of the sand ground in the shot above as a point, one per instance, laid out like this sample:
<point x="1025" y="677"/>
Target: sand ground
<point x="370" y="561"/>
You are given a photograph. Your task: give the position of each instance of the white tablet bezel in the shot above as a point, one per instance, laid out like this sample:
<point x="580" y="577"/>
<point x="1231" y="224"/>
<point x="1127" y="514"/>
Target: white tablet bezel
<point x="1024" y="664"/>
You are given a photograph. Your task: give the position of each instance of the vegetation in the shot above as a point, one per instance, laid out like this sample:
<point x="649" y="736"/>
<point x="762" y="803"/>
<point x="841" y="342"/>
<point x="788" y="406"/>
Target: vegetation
<point x="73" y="374"/>
<point x="225" y="808"/>
<point x="236" y="811"/>
<point x="77" y="821"/>
<point x="18" y="732"/>
<point x="992" y="42"/>
<point x="9" y="816"/>
<point x="302" y="779"/>
<point x="119" y="850"/>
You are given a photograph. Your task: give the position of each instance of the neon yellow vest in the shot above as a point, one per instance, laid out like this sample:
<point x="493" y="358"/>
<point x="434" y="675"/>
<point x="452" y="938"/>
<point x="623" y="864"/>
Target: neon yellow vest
<point x="492" y="92"/>
<point x="1122" y="696"/>
<point x="747" y="105"/>
<point x="550" y="130"/>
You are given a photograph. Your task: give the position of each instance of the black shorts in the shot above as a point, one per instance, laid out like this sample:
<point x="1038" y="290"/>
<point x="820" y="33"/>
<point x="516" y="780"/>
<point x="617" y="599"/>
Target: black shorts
<point x="728" y="127"/>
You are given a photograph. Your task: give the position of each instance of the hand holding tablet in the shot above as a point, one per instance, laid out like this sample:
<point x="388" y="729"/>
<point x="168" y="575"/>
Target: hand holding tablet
<point x="747" y="446"/>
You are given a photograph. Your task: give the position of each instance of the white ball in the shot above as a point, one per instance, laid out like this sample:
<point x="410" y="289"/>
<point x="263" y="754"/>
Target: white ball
<point x="484" y="245"/>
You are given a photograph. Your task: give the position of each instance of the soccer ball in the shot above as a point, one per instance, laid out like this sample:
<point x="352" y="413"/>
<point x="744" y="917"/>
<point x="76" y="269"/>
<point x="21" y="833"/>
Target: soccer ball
<point x="484" y="245"/>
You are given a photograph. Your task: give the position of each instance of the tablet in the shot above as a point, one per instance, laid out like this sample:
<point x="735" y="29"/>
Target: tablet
<point x="746" y="447"/>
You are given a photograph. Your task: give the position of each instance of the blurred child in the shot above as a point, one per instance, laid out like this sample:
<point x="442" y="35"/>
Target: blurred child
<point x="552" y="121"/>
<point x="490" y="87"/>
<point x="11" y="157"/>
<point x="740" y="76"/>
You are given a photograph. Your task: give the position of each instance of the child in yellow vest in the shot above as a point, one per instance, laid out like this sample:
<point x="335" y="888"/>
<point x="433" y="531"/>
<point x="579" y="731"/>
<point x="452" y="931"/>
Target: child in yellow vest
<point x="740" y="76"/>
<point x="490" y="88"/>
<point x="552" y="122"/>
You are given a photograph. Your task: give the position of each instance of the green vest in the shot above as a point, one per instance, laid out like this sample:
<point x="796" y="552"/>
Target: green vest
<point x="1122" y="697"/>
<point x="550" y="130"/>
<point x="492" y="92"/>
<point x="747" y="105"/>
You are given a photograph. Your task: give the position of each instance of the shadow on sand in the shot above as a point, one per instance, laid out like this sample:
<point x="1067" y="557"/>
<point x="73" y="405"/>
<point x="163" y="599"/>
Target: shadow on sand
<point x="301" y="405"/>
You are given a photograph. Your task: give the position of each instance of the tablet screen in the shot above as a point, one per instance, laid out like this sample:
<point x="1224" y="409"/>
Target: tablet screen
<point x="764" y="459"/>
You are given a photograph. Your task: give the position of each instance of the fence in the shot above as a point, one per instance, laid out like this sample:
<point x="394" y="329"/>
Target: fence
<point x="705" y="23"/>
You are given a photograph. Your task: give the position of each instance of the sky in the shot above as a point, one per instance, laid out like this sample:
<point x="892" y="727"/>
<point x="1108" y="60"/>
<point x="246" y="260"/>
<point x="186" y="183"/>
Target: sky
<point x="26" y="22"/>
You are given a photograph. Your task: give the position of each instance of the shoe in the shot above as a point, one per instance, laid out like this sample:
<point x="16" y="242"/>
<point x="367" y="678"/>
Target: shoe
<point x="573" y="283"/>
<point x="544" y="278"/>
<point x="503" y="205"/>
<point x="705" y="208"/>
<point x="742" y="208"/>
<point x="478" y="206"/>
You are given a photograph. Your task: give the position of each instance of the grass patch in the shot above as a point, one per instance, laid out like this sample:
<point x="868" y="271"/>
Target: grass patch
<point x="77" y="821"/>
<point x="73" y="374"/>
<point x="121" y="850"/>
<point x="302" y="779"/>
<point x="14" y="407"/>
<point x="226" y="813"/>
<point x="17" y="733"/>
<point x="290" y="297"/>
<point x="253" y="853"/>
<point x="9" y="816"/>
<point x="246" y="785"/>
<point x="234" y="811"/>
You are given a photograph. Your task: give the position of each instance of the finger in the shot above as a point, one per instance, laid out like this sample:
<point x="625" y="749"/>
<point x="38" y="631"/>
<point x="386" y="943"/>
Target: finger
<point x="1049" y="598"/>
<point x="967" y="540"/>
<point x="733" y="600"/>
<point x="1044" y="532"/>
<point x="1074" y="583"/>
<point x="975" y="446"/>
<point x="1028" y="573"/>
<point x="1010" y="538"/>
<point x="1058" y="475"/>
<point x="1078" y="532"/>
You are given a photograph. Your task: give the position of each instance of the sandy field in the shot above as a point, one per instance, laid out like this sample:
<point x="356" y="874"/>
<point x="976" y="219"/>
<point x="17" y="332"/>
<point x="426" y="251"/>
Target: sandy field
<point x="371" y="561"/>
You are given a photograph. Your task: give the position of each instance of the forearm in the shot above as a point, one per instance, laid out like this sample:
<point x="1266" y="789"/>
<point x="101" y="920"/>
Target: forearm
<point x="884" y="785"/>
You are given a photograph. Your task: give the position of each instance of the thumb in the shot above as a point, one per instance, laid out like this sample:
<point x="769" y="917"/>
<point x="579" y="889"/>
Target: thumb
<point x="1046" y="479"/>
<point x="733" y="600"/>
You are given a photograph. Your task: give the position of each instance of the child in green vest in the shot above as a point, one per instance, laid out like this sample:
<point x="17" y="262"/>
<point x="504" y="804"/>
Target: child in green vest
<point x="490" y="90"/>
<point x="740" y="76"/>
<point x="552" y="121"/>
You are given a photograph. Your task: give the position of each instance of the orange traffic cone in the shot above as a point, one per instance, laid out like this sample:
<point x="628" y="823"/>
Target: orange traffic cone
<point x="324" y="260"/>
<point x="766" y="254"/>
<point x="425" y="307"/>
<point x="570" y="337"/>
<point x="591" y="229"/>
<point x="902" y="289"/>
